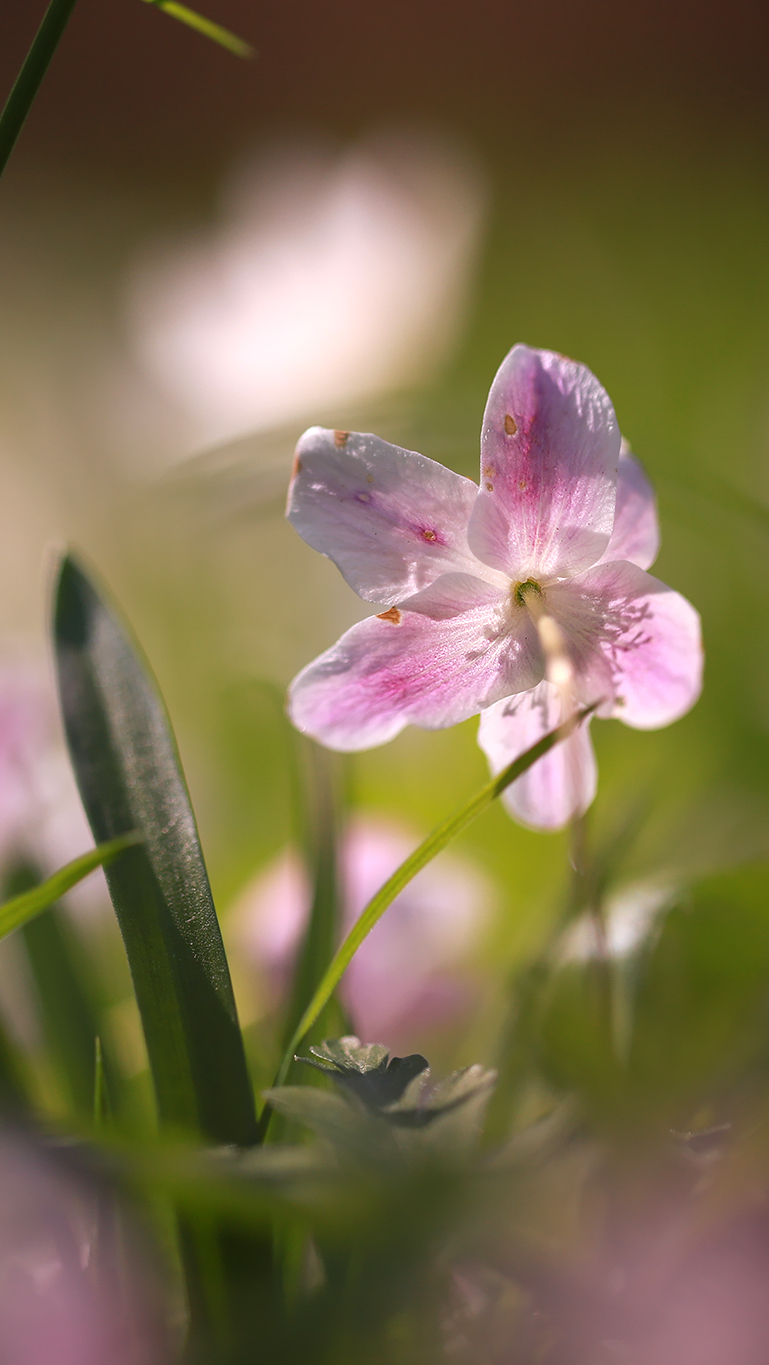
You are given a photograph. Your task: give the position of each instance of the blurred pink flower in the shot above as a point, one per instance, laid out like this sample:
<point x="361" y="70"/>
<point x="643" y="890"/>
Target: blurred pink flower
<point x="518" y="599"/>
<point x="411" y="972"/>
<point x="62" y="1300"/>
<point x="41" y="818"/>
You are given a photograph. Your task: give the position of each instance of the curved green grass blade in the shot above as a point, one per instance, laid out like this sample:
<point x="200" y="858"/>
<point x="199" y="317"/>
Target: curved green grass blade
<point x="128" y="772"/>
<point x="206" y="27"/>
<point x="427" y="850"/>
<point x="20" y="909"/>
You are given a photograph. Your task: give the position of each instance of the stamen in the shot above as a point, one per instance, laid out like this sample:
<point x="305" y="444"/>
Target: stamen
<point x="559" y="672"/>
<point x="558" y="666"/>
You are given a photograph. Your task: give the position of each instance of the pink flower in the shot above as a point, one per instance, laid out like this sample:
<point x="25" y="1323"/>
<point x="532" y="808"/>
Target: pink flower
<point x="68" y="1295"/>
<point x="41" y="817"/>
<point x="517" y="599"/>
<point x="410" y="973"/>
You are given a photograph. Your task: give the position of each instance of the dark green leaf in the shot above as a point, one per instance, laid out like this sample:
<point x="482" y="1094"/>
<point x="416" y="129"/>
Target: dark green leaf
<point x="396" y="1089"/>
<point x="366" y="1069"/>
<point x="421" y="1103"/>
<point x="129" y="776"/>
<point x="28" y="81"/>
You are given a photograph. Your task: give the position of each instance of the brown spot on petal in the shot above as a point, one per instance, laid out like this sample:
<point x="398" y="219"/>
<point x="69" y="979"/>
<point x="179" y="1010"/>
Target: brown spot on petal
<point x="363" y="497"/>
<point x="489" y="471"/>
<point x="490" y="487"/>
<point x="522" y="484"/>
<point x="392" y="615"/>
<point x="428" y="535"/>
<point x="340" y="439"/>
<point x="369" y="478"/>
<point x="296" y="468"/>
<point x="511" y="426"/>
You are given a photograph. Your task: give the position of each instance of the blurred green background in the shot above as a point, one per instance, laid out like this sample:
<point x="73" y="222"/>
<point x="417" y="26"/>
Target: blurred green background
<point x="613" y="157"/>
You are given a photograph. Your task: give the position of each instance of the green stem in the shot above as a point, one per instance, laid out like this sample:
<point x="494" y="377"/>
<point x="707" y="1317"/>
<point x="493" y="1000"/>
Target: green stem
<point x="30" y="77"/>
<point x="432" y="845"/>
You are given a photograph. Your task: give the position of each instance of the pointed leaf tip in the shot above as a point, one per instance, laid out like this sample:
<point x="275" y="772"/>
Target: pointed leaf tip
<point x="127" y="768"/>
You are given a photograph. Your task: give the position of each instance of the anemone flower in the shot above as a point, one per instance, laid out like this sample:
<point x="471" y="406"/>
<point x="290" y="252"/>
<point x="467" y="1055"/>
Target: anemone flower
<point x="517" y="599"/>
<point x="67" y="1295"/>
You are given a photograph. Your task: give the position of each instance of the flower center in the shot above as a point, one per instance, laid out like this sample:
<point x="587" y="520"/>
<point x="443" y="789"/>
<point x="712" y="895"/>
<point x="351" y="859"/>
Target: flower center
<point x="530" y="589"/>
<point x="558" y="665"/>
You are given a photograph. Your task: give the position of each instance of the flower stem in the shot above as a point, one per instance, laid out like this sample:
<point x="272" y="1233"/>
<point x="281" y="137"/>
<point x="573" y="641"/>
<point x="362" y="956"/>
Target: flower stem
<point x="30" y="77"/>
<point x="427" y="850"/>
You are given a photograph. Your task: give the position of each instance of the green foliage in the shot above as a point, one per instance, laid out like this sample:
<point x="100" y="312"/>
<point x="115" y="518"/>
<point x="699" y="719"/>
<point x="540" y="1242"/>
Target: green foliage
<point x="408" y="1216"/>
<point x="127" y="768"/>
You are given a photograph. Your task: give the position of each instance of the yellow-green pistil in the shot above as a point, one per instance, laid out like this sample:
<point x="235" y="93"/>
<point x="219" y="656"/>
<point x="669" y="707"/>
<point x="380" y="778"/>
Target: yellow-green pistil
<point x="528" y="589"/>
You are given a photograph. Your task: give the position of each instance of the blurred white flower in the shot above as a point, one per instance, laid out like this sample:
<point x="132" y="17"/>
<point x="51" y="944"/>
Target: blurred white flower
<point x="412" y="971"/>
<point x="628" y="917"/>
<point x="329" y="278"/>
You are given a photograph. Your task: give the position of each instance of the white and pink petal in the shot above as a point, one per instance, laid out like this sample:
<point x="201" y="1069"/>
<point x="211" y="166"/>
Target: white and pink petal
<point x="391" y="520"/>
<point x="437" y="659"/>
<point x="558" y="786"/>
<point x="635" y="644"/>
<point x="549" y="451"/>
<point x="636" y="532"/>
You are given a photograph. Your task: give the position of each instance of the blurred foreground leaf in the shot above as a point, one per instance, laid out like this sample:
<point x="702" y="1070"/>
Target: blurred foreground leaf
<point x="701" y="1002"/>
<point x="68" y="1007"/>
<point x="128" y="772"/>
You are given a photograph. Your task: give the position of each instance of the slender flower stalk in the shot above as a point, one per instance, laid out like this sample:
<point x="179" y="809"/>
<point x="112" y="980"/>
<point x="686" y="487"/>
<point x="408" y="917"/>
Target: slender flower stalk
<point x="424" y="854"/>
<point x="29" y="79"/>
<point x="237" y="46"/>
<point x="412" y="974"/>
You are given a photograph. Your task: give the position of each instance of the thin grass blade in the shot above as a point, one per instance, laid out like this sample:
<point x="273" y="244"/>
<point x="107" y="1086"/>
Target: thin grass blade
<point x="22" y="908"/>
<point x="204" y="26"/>
<point x="427" y="850"/>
